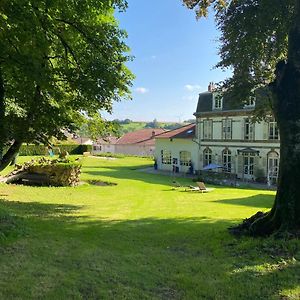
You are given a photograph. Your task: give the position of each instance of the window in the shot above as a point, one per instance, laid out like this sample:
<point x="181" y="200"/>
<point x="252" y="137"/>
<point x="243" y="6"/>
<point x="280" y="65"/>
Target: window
<point x="273" y="130"/>
<point x="218" y="102"/>
<point x="248" y="163"/>
<point x="185" y="158"/>
<point x="226" y="129"/>
<point x="207" y="129"/>
<point x="207" y="157"/>
<point x="248" y="130"/>
<point x="227" y="161"/>
<point x="166" y="157"/>
<point x="250" y="103"/>
<point x="273" y="166"/>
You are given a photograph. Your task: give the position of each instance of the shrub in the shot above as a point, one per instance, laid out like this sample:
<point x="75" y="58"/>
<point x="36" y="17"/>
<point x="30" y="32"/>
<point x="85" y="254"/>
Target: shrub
<point x="32" y="150"/>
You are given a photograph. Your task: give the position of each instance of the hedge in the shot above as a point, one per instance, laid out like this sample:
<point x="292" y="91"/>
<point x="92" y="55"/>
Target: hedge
<point x="31" y="150"/>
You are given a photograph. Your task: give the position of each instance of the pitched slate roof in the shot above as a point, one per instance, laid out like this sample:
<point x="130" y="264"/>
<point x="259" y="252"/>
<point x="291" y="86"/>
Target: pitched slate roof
<point x="185" y="132"/>
<point x="145" y="136"/>
<point x="205" y="104"/>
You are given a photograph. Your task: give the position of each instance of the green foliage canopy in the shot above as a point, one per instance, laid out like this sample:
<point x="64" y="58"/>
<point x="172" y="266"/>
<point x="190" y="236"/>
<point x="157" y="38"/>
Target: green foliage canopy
<point x="254" y="39"/>
<point x="57" y="60"/>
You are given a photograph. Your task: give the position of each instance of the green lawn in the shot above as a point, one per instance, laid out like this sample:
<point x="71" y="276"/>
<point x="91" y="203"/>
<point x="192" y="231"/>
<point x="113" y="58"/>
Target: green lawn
<point x="138" y="239"/>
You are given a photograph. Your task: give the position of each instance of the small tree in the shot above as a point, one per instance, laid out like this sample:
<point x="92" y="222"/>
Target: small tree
<point x="57" y="60"/>
<point x="261" y="43"/>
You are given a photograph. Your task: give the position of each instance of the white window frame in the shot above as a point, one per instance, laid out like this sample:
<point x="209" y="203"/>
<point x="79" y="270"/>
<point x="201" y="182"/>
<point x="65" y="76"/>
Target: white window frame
<point x="166" y="157"/>
<point x="248" y="161"/>
<point x="227" y="129"/>
<point x="207" y="157"/>
<point x="227" y="160"/>
<point x="273" y="133"/>
<point x="273" y="165"/>
<point x="185" y="158"/>
<point x="217" y="102"/>
<point x="249" y="130"/>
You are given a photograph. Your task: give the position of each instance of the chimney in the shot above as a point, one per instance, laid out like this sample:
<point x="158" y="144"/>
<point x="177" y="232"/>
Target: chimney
<point x="153" y="134"/>
<point x="211" y="87"/>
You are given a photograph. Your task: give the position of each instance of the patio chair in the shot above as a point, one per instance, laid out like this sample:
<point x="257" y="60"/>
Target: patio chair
<point x="199" y="188"/>
<point x="176" y="185"/>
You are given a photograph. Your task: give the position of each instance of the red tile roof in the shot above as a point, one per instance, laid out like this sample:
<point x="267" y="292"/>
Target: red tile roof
<point x="145" y="136"/>
<point x="185" y="132"/>
<point x="110" y="140"/>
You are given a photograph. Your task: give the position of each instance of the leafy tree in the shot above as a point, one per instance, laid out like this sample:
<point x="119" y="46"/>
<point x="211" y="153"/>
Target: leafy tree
<point x="57" y="60"/>
<point x="191" y="121"/>
<point x="96" y="127"/>
<point x="153" y="124"/>
<point x="261" y="43"/>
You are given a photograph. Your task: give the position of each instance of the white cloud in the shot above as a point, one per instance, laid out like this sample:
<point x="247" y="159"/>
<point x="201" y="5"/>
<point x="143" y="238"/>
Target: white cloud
<point x="142" y="90"/>
<point x="192" y="87"/>
<point x="153" y="57"/>
<point x="190" y="98"/>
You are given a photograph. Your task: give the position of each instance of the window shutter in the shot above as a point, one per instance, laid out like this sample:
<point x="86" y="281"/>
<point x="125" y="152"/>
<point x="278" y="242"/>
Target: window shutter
<point x="201" y="159"/>
<point x="264" y="163"/>
<point x="265" y="131"/>
<point x="222" y="129"/>
<point x="240" y="166"/>
<point x="220" y="160"/>
<point x="243" y="129"/>
<point x="256" y="164"/>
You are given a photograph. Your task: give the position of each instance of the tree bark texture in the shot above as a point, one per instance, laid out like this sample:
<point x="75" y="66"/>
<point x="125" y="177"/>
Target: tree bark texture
<point x="10" y="154"/>
<point x="285" y="214"/>
<point x="2" y="114"/>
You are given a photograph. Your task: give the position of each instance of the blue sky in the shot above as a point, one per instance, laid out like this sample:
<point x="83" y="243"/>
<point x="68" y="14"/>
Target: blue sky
<point x="174" y="58"/>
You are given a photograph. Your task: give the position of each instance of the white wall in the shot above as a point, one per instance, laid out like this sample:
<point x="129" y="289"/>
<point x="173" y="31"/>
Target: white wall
<point x="217" y="144"/>
<point x="175" y="146"/>
<point x="135" y="149"/>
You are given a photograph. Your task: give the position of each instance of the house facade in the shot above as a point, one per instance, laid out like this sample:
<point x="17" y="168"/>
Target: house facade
<point x="105" y="145"/>
<point x="140" y="142"/>
<point x="176" y="150"/>
<point x="226" y="137"/>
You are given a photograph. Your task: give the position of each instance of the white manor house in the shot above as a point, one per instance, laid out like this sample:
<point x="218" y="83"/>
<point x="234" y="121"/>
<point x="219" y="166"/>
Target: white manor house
<point x="223" y="138"/>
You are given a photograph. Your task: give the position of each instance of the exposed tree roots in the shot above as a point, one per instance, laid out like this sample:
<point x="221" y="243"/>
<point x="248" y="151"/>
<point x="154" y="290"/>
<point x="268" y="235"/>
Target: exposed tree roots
<point x="264" y="224"/>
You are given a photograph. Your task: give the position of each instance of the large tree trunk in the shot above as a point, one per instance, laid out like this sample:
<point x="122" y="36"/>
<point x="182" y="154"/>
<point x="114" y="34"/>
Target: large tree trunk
<point x="8" y="157"/>
<point x="2" y="114"/>
<point x="10" y="154"/>
<point x="285" y="214"/>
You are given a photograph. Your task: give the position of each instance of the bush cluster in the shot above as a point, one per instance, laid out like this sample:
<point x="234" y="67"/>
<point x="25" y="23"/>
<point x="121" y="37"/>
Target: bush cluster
<point x="32" y="150"/>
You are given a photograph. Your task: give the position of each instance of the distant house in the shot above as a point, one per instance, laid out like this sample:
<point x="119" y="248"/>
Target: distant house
<point x="176" y="150"/>
<point x="105" y="145"/>
<point x="140" y="142"/>
<point x="82" y="140"/>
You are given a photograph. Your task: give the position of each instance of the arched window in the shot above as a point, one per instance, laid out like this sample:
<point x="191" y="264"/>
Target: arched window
<point x="166" y="157"/>
<point x="273" y="166"/>
<point x="207" y="157"/>
<point x="185" y="158"/>
<point x="226" y="158"/>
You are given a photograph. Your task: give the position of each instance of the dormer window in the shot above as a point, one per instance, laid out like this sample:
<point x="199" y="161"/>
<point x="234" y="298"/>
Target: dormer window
<point x="218" y="102"/>
<point x="250" y="102"/>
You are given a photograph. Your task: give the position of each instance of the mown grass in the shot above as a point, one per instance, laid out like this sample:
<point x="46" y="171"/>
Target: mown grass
<point x="138" y="239"/>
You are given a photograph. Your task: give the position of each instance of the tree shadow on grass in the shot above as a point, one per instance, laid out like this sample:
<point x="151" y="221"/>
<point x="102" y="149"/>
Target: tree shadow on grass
<point x="134" y="174"/>
<point x="63" y="256"/>
<point x="259" y="201"/>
